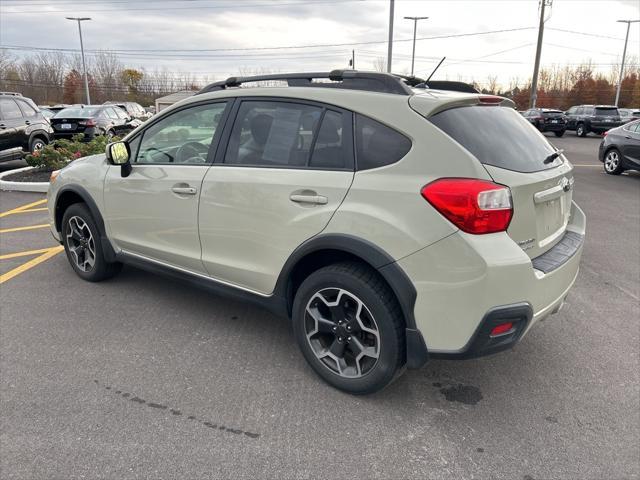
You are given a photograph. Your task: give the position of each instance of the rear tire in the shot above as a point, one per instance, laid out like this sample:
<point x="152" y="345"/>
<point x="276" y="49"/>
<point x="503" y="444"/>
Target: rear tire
<point x="350" y="327"/>
<point x="560" y="133"/>
<point x="81" y="240"/>
<point x="613" y="162"/>
<point x="581" y="130"/>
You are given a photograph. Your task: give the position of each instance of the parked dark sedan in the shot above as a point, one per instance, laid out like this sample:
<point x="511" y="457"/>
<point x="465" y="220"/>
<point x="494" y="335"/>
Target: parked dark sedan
<point x="620" y="149"/>
<point x="547" y="120"/>
<point x="92" y="120"/>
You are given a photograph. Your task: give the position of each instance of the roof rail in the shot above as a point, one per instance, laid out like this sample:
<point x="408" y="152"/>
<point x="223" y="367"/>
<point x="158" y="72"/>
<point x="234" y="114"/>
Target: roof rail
<point x="13" y="94"/>
<point x="347" y="79"/>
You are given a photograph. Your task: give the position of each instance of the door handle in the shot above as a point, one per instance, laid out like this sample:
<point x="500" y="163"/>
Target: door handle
<point x="312" y="199"/>
<point x="2" y="126"/>
<point x="184" y="190"/>
<point x="27" y="122"/>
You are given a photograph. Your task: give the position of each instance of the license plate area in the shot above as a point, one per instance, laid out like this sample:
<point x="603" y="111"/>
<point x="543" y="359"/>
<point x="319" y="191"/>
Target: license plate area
<point x="65" y="126"/>
<point x="552" y="217"/>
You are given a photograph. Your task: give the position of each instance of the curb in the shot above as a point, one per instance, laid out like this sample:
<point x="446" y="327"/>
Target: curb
<point x="5" y="185"/>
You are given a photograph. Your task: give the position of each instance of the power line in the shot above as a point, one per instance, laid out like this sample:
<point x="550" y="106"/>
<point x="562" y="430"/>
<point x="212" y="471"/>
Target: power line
<point x="198" y="7"/>
<point x="280" y="47"/>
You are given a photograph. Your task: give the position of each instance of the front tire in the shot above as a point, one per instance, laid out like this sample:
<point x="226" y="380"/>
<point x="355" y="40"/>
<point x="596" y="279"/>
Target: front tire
<point x="37" y="144"/>
<point x="350" y="327"/>
<point x="613" y="162"/>
<point x="81" y="239"/>
<point x="560" y="133"/>
<point x="581" y="130"/>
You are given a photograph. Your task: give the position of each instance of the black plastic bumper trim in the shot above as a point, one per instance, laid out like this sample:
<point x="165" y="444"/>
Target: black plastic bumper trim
<point x="482" y="343"/>
<point x="559" y="254"/>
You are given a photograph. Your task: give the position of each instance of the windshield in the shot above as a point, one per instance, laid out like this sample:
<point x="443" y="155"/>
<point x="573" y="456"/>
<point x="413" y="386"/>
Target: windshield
<point x="606" y="111"/>
<point x="497" y="136"/>
<point x="77" y="113"/>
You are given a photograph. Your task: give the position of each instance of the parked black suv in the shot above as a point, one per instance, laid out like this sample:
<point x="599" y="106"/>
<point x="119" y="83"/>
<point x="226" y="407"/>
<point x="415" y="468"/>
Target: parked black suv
<point x="547" y="120"/>
<point x="23" y="128"/>
<point x="592" y="118"/>
<point x="92" y="120"/>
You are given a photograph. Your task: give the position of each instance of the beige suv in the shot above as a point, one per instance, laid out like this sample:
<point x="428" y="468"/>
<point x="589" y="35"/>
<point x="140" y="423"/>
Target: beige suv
<point x="390" y="223"/>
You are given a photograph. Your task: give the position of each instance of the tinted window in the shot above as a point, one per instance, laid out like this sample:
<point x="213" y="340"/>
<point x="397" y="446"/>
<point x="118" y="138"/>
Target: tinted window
<point x="606" y="111"/>
<point x="330" y="150"/>
<point x="551" y="113"/>
<point x="273" y="134"/>
<point x="9" y="109"/>
<point x="572" y="111"/>
<point x="378" y="145"/>
<point x="184" y="137"/>
<point x="27" y="109"/>
<point x="497" y="136"/>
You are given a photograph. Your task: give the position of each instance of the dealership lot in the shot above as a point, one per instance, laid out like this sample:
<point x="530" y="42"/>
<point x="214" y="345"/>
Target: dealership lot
<point x="142" y="376"/>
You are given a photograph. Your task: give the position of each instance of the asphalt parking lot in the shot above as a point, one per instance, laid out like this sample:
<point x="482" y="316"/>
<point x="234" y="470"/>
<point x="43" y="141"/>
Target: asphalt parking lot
<point x="142" y="376"/>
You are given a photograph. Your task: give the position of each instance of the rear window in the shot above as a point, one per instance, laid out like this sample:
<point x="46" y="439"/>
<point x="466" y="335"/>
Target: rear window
<point x="552" y="113"/>
<point x="76" y="113"/>
<point x="497" y="136"/>
<point x="606" y="112"/>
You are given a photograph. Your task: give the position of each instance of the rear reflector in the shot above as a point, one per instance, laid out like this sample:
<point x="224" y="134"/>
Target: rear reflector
<point x="474" y="206"/>
<point x="501" y="329"/>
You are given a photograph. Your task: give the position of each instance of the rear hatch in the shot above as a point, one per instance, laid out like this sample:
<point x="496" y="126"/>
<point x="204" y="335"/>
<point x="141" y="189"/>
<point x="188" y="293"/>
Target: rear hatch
<point x="73" y="120"/>
<point x="516" y="155"/>
<point x="553" y="117"/>
<point x="606" y="116"/>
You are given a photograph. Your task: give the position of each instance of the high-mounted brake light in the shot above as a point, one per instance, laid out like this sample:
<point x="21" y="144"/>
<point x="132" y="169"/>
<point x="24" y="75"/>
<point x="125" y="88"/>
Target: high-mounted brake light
<point x="474" y="206"/>
<point x="490" y="99"/>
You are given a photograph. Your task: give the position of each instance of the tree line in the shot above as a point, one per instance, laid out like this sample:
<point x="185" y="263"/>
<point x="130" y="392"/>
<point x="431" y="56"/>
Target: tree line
<point x="55" y="77"/>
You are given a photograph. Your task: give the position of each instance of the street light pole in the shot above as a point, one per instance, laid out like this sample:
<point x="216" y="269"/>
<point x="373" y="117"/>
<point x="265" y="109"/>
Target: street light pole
<point x="624" y="53"/>
<point x="390" y="48"/>
<point x="84" y="65"/>
<point x="415" y="27"/>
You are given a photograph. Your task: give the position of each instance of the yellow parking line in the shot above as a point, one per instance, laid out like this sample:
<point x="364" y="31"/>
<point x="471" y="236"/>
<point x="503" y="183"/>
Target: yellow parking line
<point x="24" y="254"/>
<point x="50" y="252"/>
<point x="23" y="208"/>
<point x="19" y="229"/>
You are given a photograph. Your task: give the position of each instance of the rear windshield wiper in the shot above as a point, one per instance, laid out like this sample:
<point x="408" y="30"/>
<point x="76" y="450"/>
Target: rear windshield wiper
<point x="553" y="156"/>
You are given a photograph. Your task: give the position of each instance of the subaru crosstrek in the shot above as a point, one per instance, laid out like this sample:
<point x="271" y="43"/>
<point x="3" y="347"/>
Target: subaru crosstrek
<point x="389" y="223"/>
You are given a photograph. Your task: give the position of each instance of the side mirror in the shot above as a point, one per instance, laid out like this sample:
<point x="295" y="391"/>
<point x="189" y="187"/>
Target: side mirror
<point x="118" y="154"/>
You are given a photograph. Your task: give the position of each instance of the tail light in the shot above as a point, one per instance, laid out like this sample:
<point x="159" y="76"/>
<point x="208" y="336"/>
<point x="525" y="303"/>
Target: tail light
<point x="604" y="134"/>
<point x="474" y="206"/>
<point x="88" y="123"/>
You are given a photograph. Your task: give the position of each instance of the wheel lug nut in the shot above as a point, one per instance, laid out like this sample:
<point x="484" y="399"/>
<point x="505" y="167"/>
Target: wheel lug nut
<point x="340" y="339"/>
<point x="348" y="339"/>
<point x="349" y="327"/>
<point x="334" y="328"/>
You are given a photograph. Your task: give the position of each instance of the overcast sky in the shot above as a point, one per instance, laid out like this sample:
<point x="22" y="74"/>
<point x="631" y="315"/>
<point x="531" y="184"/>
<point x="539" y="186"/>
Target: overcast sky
<point x="165" y="33"/>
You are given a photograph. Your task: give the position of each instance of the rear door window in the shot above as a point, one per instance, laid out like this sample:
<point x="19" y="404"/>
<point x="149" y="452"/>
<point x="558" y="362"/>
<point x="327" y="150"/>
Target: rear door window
<point x="284" y="134"/>
<point x="27" y="110"/>
<point x="497" y="136"/>
<point x="378" y="145"/>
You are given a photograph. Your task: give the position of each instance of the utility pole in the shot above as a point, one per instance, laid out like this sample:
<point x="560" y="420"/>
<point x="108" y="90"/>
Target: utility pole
<point x="353" y="59"/>
<point x="415" y="27"/>
<point x="84" y="65"/>
<point x="536" y="67"/>
<point x="390" y="51"/>
<point x="624" y="53"/>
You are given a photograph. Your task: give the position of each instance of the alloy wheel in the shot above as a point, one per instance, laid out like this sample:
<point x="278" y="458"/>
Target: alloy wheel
<point x="81" y="244"/>
<point x="611" y="161"/>
<point x="342" y="332"/>
<point x="37" y="146"/>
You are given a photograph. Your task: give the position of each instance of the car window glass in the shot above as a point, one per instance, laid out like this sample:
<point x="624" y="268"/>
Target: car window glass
<point x="378" y="145"/>
<point x="272" y="134"/>
<point x="572" y="111"/>
<point x="579" y="111"/>
<point x="27" y="109"/>
<point x="9" y="109"/>
<point x="184" y="137"/>
<point x="112" y="114"/>
<point x="330" y="150"/>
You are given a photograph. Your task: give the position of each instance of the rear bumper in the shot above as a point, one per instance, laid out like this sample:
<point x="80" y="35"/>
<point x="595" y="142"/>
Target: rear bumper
<point x="465" y="282"/>
<point x="554" y="127"/>
<point x="600" y="127"/>
<point x="88" y="133"/>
